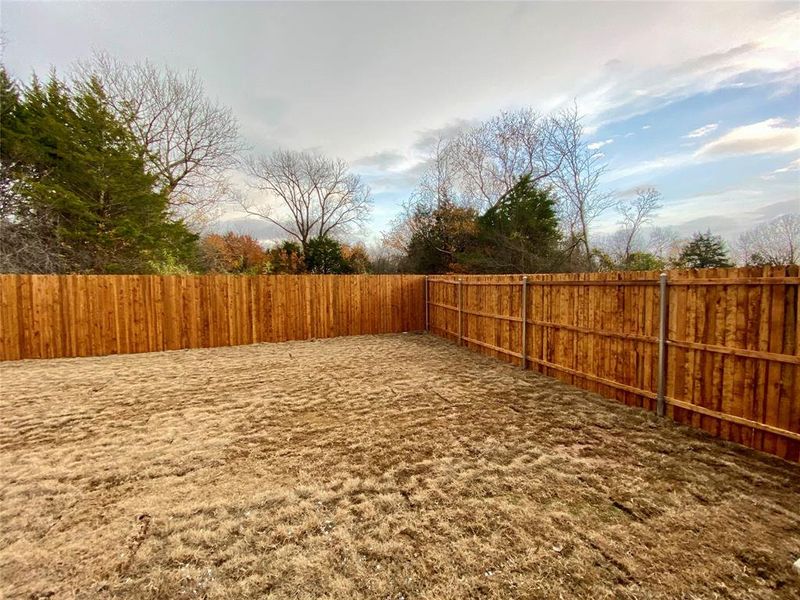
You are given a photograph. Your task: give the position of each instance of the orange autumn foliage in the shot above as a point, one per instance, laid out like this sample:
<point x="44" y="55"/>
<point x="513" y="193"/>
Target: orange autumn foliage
<point x="232" y="253"/>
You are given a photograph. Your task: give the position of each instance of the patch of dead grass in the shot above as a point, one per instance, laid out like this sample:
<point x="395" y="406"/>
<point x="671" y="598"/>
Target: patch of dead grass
<point x="381" y="466"/>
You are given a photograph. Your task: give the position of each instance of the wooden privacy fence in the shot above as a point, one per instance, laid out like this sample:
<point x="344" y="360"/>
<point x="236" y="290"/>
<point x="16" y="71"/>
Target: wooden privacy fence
<point x="731" y="357"/>
<point x="729" y="338"/>
<point x="51" y="316"/>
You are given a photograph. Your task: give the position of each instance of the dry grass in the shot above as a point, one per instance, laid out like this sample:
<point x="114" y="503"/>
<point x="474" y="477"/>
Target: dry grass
<point x="383" y="467"/>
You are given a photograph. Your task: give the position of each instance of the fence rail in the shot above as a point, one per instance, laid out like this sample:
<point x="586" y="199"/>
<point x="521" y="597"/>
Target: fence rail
<point x="725" y="347"/>
<point x="53" y="316"/>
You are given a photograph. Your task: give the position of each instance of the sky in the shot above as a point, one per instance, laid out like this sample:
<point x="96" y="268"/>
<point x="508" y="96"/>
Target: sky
<point x="700" y="99"/>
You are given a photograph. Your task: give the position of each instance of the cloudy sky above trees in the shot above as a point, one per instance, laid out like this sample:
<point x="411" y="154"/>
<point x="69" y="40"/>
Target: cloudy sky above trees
<point x="701" y="100"/>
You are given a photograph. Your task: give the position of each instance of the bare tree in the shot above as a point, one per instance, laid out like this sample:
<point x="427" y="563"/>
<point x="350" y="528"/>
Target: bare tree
<point x="578" y="183"/>
<point x="479" y="166"/>
<point x="189" y="141"/>
<point x="492" y="157"/>
<point x="437" y="184"/>
<point x="617" y="248"/>
<point x="307" y="195"/>
<point x="774" y="243"/>
<point x="635" y="213"/>
<point x="28" y="246"/>
<point x="665" y="243"/>
<point x="436" y="188"/>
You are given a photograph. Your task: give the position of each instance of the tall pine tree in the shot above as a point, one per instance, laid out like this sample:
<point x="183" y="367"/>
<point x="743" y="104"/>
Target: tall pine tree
<point x="704" y="251"/>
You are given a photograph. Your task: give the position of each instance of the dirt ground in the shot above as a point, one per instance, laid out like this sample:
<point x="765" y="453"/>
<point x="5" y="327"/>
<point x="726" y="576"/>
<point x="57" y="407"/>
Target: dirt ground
<point x="396" y="466"/>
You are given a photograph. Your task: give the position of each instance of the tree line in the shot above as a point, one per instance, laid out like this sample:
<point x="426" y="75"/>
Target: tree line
<point x="121" y="169"/>
<point x="241" y="253"/>
<point x="521" y="192"/>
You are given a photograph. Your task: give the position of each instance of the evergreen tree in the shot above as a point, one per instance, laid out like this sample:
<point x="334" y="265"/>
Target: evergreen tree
<point x="75" y="187"/>
<point x="324" y="255"/>
<point x="643" y="261"/>
<point x="519" y="233"/>
<point x="704" y="251"/>
<point x="443" y="235"/>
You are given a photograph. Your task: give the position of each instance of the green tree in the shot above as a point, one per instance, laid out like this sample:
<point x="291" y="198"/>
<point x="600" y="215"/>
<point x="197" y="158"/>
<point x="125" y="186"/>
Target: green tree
<point x="642" y="261"/>
<point x="324" y="255"/>
<point x="441" y="237"/>
<point x="704" y="251"/>
<point x="75" y="189"/>
<point x="519" y="233"/>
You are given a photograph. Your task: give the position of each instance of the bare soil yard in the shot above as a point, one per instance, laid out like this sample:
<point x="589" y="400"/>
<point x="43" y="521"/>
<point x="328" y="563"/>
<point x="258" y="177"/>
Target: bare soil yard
<point x="396" y="466"/>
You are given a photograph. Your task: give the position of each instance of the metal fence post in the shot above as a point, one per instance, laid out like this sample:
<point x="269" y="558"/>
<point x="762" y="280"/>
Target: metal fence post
<point x="524" y="322"/>
<point x="459" y="313"/>
<point x="427" y="317"/>
<point x="661" y="405"/>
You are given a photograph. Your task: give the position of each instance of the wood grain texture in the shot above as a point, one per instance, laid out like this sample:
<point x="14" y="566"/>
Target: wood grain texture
<point x="55" y="316"/>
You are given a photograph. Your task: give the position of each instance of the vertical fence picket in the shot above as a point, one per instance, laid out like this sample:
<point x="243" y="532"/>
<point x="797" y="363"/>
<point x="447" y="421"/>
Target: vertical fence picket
<point x="460" y="315"/>
<point x="662" y="343"/>
<point x="524" y="341"/>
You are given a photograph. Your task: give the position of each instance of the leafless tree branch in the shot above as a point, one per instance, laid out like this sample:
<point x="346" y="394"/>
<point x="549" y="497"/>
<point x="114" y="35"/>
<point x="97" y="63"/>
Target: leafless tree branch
<point x="189" y="141"/>
<point x="774" y="243"/>
<point x="307" y="195"/>
<point x="636" y="213"/>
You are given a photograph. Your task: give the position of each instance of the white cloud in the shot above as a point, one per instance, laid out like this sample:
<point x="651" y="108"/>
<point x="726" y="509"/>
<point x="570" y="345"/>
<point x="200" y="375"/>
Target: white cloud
<point x="763" y="54"/>
<point x="728" y="211"/>
<point x="590" y="129"/>
<point x="646" y="126"/>
<point x="386" y="160"/>
<point x="598" y="145"/>
<point x="702" y="131"/>
<point x="792" y="166"/>
<point x="663" y="163"/>
<point x="771" y="136"/>
<point x="330" y="94"/>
